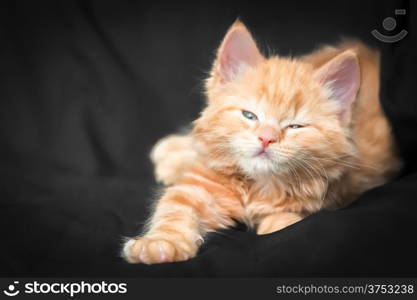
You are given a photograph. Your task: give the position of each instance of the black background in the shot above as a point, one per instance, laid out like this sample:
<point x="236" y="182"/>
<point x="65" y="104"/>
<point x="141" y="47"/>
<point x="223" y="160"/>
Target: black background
<point x="86" y="89"/>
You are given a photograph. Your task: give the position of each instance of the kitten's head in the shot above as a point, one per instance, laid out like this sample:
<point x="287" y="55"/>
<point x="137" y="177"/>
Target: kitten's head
<point x="276" y="115"/>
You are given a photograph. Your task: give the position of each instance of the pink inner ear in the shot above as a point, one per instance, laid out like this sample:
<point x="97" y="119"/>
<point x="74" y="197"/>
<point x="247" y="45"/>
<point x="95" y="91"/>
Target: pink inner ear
<point x="344" y="82"/>
<point x="342" y="77"/>
<point x="237" y="52"/>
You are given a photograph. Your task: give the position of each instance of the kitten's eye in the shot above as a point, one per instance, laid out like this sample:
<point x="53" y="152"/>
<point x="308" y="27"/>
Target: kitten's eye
<point x="295" y="126"/>
<point x="249" y="115"/>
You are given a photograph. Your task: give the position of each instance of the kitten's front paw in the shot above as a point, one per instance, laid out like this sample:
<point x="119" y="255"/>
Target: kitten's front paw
<point x="150" y="250"/>
<point x="277" y="222"/>
<point x="172" y="156"/>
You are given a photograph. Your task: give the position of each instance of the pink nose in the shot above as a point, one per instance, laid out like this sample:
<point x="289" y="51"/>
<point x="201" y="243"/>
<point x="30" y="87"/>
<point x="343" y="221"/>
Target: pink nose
<point x="267" y="135"/>
<point x="265" y="142"/>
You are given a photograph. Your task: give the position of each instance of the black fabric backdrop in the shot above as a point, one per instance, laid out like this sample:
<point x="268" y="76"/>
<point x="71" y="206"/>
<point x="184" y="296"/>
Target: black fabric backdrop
<point x="87" y="87"/>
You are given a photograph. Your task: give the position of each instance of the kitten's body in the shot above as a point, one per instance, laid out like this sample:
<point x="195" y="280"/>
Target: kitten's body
<point x="219" y="173"/>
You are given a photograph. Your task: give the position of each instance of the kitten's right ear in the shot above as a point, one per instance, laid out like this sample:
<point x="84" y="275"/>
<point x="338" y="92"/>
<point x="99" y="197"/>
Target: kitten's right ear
<point x="237" y="52"/>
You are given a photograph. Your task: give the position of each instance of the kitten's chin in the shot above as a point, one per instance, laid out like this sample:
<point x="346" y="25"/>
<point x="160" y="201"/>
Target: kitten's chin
<point x="260" y="166"/>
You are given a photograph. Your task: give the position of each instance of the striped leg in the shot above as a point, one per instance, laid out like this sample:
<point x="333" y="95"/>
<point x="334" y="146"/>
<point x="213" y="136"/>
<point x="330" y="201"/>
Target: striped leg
<point x="181" y="218"/>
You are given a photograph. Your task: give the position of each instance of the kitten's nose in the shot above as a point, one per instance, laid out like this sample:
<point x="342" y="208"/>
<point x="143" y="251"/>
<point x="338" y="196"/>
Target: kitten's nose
<point x="267" y="135"/>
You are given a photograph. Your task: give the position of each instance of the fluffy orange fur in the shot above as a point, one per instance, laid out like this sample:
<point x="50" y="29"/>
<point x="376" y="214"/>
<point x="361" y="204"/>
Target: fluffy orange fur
<point x="298" y="151"/>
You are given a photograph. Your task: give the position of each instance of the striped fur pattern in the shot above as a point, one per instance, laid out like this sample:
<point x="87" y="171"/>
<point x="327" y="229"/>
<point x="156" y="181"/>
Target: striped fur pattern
<point x="279" y="139"/>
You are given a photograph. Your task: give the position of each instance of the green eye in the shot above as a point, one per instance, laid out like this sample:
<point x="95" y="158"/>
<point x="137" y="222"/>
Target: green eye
<point x="295" y="126"/>
<point x="249" y="115"/>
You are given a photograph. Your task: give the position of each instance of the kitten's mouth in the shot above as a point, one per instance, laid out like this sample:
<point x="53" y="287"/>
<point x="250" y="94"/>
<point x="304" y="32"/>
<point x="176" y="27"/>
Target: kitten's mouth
<point x="262" y="153"/>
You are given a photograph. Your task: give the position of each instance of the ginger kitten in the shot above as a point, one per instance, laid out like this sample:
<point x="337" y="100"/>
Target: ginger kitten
<point x="279" y="139"/>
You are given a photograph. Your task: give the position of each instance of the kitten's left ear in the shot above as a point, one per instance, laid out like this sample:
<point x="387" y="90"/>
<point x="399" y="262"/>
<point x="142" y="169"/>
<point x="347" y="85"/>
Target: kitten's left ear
<point x="341" y="76"/>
